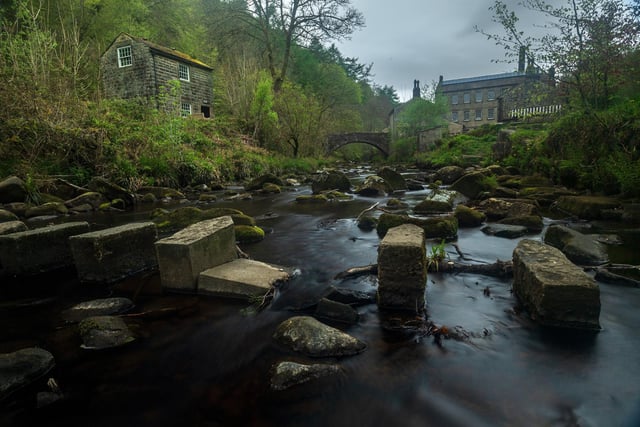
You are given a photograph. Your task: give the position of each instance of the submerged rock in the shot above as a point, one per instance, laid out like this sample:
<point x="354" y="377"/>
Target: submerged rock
<point x="23" y="367"/>
<point x="288" y="374"/>
<point x="580" y="248"/>
<point x="98" y="307"/>
<point x="307" y="335"/>
<point x="504" y="230"/>
<point x="100" y="332"/>
<point x="336" y="311"/>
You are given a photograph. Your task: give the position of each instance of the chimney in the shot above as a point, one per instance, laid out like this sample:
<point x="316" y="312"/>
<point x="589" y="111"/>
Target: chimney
<point x="416" y="89"/>
<point x="521" y="59"/>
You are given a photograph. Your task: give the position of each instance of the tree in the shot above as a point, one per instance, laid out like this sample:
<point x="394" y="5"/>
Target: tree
<point x="265" y="120"/>
<point x="300" y="124"/>
<point x="420" y="114"/>
<point x="284" y="23"/>
<point x="585" y="43"/>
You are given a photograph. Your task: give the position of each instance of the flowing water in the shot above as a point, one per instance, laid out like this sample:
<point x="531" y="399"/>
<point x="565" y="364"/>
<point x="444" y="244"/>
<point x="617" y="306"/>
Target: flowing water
<point x="209" y="363"/>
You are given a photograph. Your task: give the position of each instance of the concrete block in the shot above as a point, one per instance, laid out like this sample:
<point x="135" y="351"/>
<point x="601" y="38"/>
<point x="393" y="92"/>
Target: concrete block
<point x="106" y="256"/>
<point x="199" y="247"/>
<point x="554" y="291"/>
<point x="39" y="250"/>
<point x="241" y="278"/>
<point x="402" y="269"/>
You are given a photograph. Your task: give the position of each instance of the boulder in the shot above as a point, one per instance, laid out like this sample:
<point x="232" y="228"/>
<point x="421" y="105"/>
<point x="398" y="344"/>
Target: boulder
<point x="312" y="198"/>
<point x="23" y="367"/>
<point x="39" y="250"/>
<point x="469" y="217"/>
<point x="367" y="223"/>
<point x="259" y="182"/>
<point x="111" y="191"/>
<point x="394" y="180"/>
<point x="473" y="185"/>
<point x="351" y="296"/>
<point x="497" y="209"/>
<point x="440" y="201"/>
<point x="161" y="192"/>
<point x="199" y="247"/>
<point x="308" y="336"/>
<point x="17" y="208"/>
<point x="249" y="234"/>
<point x="449" y="174"/>
<point x="101" y="332"/>
<point x="12" y="189"/>
<point x="47" y="209"/>
<point x="270" y="188"/>
<point x="587" y="207"/>
<point x="545" y="196"/>
<point x="7" y="216"/>
<point x="12" y="227"/>
<point x="533" y="223"/>
<point x="402" y="269"/>
<point x="554" y="291"/>
<point x="91" y="198"/>
<point x="61" y="188"/>
<point x="581" y="249"/>
<point x="112" y="254"/>
<point x="373" y="186"/>
<point x="185" y="216"/>
<point x="441" y="227"/>
<point x="288" y="374"/>
<point x="331" y="180"/>
<point x="240" y="278"/>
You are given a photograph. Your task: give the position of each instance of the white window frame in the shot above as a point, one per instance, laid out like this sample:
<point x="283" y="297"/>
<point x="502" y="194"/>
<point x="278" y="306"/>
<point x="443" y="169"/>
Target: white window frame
<point x="491" y="114"/>
<point x="466" y="98"/>
<point x="454" y="99"/>
<point x="125" y="56"/>
<point x="184" y="73"/>
<point x="466" y="116"/>
<point x="185" y="109"/>
<point x="454" y="116"/>
<point x="479" y="96"/>
<point x="491" y="95"/>
<point x="478" y="113"/>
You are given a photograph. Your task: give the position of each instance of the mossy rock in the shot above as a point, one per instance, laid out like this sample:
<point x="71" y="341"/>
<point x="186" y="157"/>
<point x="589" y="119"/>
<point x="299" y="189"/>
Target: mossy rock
<point x="312" y="198"/>
<point x="469" y="217"/>
<point x="161" y="192"/>
<point x="533" y="223"/>
<point x="183" y="217"/>
<point x="149" y="198"/>
<point x="336" y="195"/>
<point x="396" y="204"/>
<point x="242" y="219"/>
<point x="441" y="227"/>
<point x="204" y="197"/>
<point x="430" y="206"/>
<point x="271" y="188"/>
<point x="587" y="207"/>
<point x="51" y="208"/>
<point x="473" y="185"/>
<point x="260" y="182"/>
<point x="6" y="216"/>
<point x="449" y="174"/>
<point x="248" y="234"/>
<point x="331" y="180"/>
<point x="373" y="186"/>
<point x="535" y="181"/>
<point x="367" y="223"/>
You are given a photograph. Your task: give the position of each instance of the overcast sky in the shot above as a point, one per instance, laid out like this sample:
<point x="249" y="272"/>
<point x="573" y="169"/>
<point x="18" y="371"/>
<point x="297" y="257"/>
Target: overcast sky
<point x="423" y="39"/>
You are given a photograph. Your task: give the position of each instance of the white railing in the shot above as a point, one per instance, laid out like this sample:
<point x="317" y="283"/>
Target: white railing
<point x="543" y="110"/>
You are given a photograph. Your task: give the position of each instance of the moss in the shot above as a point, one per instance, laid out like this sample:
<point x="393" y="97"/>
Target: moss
<point x="429" y="206"/>
<point x="469" y="217"/>
<point x="248" y="234"/>
<point x="367" y="223"/>
<point x="271" y="188"/>
<point x="442" y="227"/>
<point x="336" y="195"/>
<point x="315" y="198"/>
<point x="242" y="219"/>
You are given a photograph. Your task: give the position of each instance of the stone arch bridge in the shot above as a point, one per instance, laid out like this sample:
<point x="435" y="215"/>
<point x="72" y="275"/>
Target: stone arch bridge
<point x="380" y="140"/>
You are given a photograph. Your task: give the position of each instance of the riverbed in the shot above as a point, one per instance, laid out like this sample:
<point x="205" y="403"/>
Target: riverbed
<point x="208" y="364"/>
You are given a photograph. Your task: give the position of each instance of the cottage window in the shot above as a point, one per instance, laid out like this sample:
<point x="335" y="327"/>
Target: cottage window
<point x="479" y="96"/>
<point x="467" y="98"/>
<point x="185" y="109"/>
<point x="125" y="59"/>
<point x="183" y="72"/>
<point x="454" y="99"/>
<point x="466" y="115"/>
<point x="454" y="116"/>
<point x="491" y="113"/>
<point x="478" y="114"/>
<point x="491" y="95"/>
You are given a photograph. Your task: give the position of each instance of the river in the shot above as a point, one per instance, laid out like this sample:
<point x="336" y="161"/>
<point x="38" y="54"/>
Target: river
<point x="209" y="364"/>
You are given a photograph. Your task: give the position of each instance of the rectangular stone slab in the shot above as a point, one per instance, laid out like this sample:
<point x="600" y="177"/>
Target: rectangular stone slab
<point x="39" y="250"/>
<point x="402" y="269"/>
<point x="199" y="247"/>
<point x="554" y="291"/>
<point x="105" y="256"/>
<point x="242" y="278"/>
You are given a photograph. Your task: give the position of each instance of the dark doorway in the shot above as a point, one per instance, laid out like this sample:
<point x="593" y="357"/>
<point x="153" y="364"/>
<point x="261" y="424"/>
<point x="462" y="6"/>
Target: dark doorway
<point x="206" y="112"/>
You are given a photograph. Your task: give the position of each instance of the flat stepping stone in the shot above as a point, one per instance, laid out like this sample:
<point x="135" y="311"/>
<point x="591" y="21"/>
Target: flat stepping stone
<point x="241" y="278"/>
<point x="23" y="367"/>
<point x="309" y="336"/>
<point x="98" y="307"/>
<point x="288" y="374"/>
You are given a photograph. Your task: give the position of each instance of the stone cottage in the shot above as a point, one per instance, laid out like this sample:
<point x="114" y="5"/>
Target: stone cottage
<point x="133" y="67"/>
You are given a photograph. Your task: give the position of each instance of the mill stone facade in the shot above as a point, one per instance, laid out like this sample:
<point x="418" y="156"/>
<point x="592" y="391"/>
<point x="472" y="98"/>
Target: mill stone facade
<point x="133" y="67"/>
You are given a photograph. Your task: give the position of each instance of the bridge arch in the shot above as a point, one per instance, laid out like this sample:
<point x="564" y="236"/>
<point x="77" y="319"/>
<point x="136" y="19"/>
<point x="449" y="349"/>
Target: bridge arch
<point x="380" y="140"/>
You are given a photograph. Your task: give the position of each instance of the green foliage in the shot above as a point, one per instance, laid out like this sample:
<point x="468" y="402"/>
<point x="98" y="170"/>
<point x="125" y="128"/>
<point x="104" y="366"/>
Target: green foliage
<point x="403" y="149"/>
<point x="436" y="255"/>
<point x="460" y="150"/>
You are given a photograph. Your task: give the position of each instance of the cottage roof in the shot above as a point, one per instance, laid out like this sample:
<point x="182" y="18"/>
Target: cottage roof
<point x="165" y="51"/>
